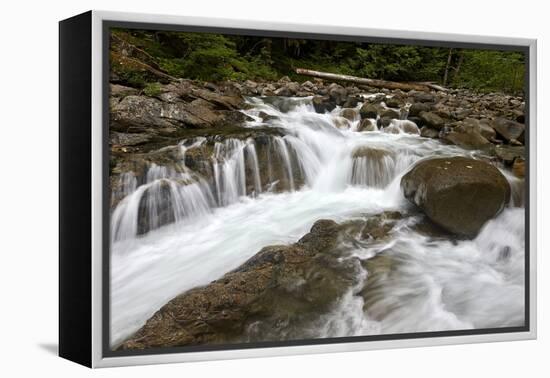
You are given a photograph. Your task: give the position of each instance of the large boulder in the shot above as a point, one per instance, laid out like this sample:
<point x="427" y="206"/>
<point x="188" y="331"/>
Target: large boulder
<point x="176" y="106"/>
<point x="459" y="194"/>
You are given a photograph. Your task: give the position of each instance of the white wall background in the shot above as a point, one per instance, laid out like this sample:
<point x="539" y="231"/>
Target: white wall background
<point x="28" y="197"/>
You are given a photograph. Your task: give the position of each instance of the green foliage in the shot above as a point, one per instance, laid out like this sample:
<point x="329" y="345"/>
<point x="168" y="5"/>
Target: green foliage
<point x="217" y="57"/>
<point x="152" y="89"/>
<point x="492" y="71"/>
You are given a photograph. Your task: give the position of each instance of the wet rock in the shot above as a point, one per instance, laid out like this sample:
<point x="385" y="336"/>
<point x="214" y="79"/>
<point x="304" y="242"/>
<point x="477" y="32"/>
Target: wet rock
<point x="323" y="104"/>
<point x="390" y="113"/>
<point x="459" y="194"/>
<point x="381" y="268"/>
<point x="267" y="117"/>
<point x="383" y="122"/>
<point x="352" y="102"/>
<point x="428" y="228"/>
<point x="142" y="113"/>
<point x="268" y="90"/>
<point x="117" y="90"/>
<point x="401" y="126"/>
<point x="155" y="207"/>
<point x="393" y="102"/>
<point x="428" y="132"/>
<point x="508" y="129"/>
<point x="282" y="287"/>
<point x="409" y="127"/>
<point x="485" y="129"/>
<point x="370" y="153"/>
<point x="418" y="107"/>
<point x="341" y="122"/>
<point x="284" y="80"/>
<point x="212" y="86"/>
<point x="416" y="120"/>
<point x="288" y="90"/>
<point x="432" y="120"/>
<point x="126" y="139"/>
<point x="520" y="117"/>
<point x="466" y="135"/>
<point x="338" y="94"/>
<point x="304" y="94"/>
<point x="518" y="167"/>
<point x="308" y="86"/>
<point x="138" y="113"/>
<point x="367" y="125"/>
<point x="379" y="227"/>
<point x="350" y="114"/>
<point x="424" y="97"/>
<point x="370" y="110"/>
<point x="509" y="153"/>
<point x="460" y="113"/>
<point x="221" y="101"/>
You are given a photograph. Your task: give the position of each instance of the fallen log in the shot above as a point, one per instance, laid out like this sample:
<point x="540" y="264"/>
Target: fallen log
<point x="135" y="63"/>
<point x="371" y="82"/>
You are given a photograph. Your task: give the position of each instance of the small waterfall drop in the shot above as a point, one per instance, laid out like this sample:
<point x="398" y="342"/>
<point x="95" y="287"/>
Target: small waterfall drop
<point x="254" y="166"/>
<point x="281" y="146"/>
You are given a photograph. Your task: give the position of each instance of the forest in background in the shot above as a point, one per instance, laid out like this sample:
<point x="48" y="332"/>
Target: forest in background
<point x="217" y="57"/>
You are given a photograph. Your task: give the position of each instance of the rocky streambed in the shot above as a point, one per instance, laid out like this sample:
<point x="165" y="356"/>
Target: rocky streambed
<point x="274" y="211"/>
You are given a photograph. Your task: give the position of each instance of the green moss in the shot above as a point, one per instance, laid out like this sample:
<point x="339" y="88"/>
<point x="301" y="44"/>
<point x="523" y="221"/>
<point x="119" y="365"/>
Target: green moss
<point x="152" y="89"/>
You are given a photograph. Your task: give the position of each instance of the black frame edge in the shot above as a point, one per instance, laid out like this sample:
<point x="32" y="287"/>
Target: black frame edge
<point x="75" y="190"/>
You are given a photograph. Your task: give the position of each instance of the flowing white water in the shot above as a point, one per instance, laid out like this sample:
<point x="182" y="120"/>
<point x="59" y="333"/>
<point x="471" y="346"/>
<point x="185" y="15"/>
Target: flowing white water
<point x="217" y="225"/>
<point x="438" y="285"/>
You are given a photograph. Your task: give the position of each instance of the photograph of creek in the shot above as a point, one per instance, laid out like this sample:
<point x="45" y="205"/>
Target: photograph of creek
<point x="273" y="189"/>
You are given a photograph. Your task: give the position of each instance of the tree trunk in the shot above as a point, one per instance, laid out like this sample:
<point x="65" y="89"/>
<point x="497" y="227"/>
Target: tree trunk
<point x="449" y="57"/>
<point x="460" y="60"/>
<point x="370" y="82"/>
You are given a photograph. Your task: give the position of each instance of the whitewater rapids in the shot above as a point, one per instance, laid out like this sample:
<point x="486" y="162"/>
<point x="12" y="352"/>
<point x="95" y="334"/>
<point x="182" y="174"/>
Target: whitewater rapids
<point x="440" y="285"/>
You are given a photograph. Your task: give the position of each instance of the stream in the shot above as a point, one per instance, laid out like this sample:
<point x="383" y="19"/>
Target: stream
<point x="329" y="170"/>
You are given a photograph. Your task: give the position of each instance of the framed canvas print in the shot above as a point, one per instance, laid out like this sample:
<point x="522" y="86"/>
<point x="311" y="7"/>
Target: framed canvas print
<point x="235" y="188"/>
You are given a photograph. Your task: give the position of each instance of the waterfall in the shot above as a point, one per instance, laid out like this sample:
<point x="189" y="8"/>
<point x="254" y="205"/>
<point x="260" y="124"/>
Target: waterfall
<point x="517" y="189"/>
<point x="161" y="201"/>
<point x="254" y="166"/>
<point x="283" y="151"/>
<point x="314" y="153"/>
<point x="174" y="228"/>
<point x="373" y="172"/>
<point x="309" y="162"/>
<point x="229" y="171"/>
